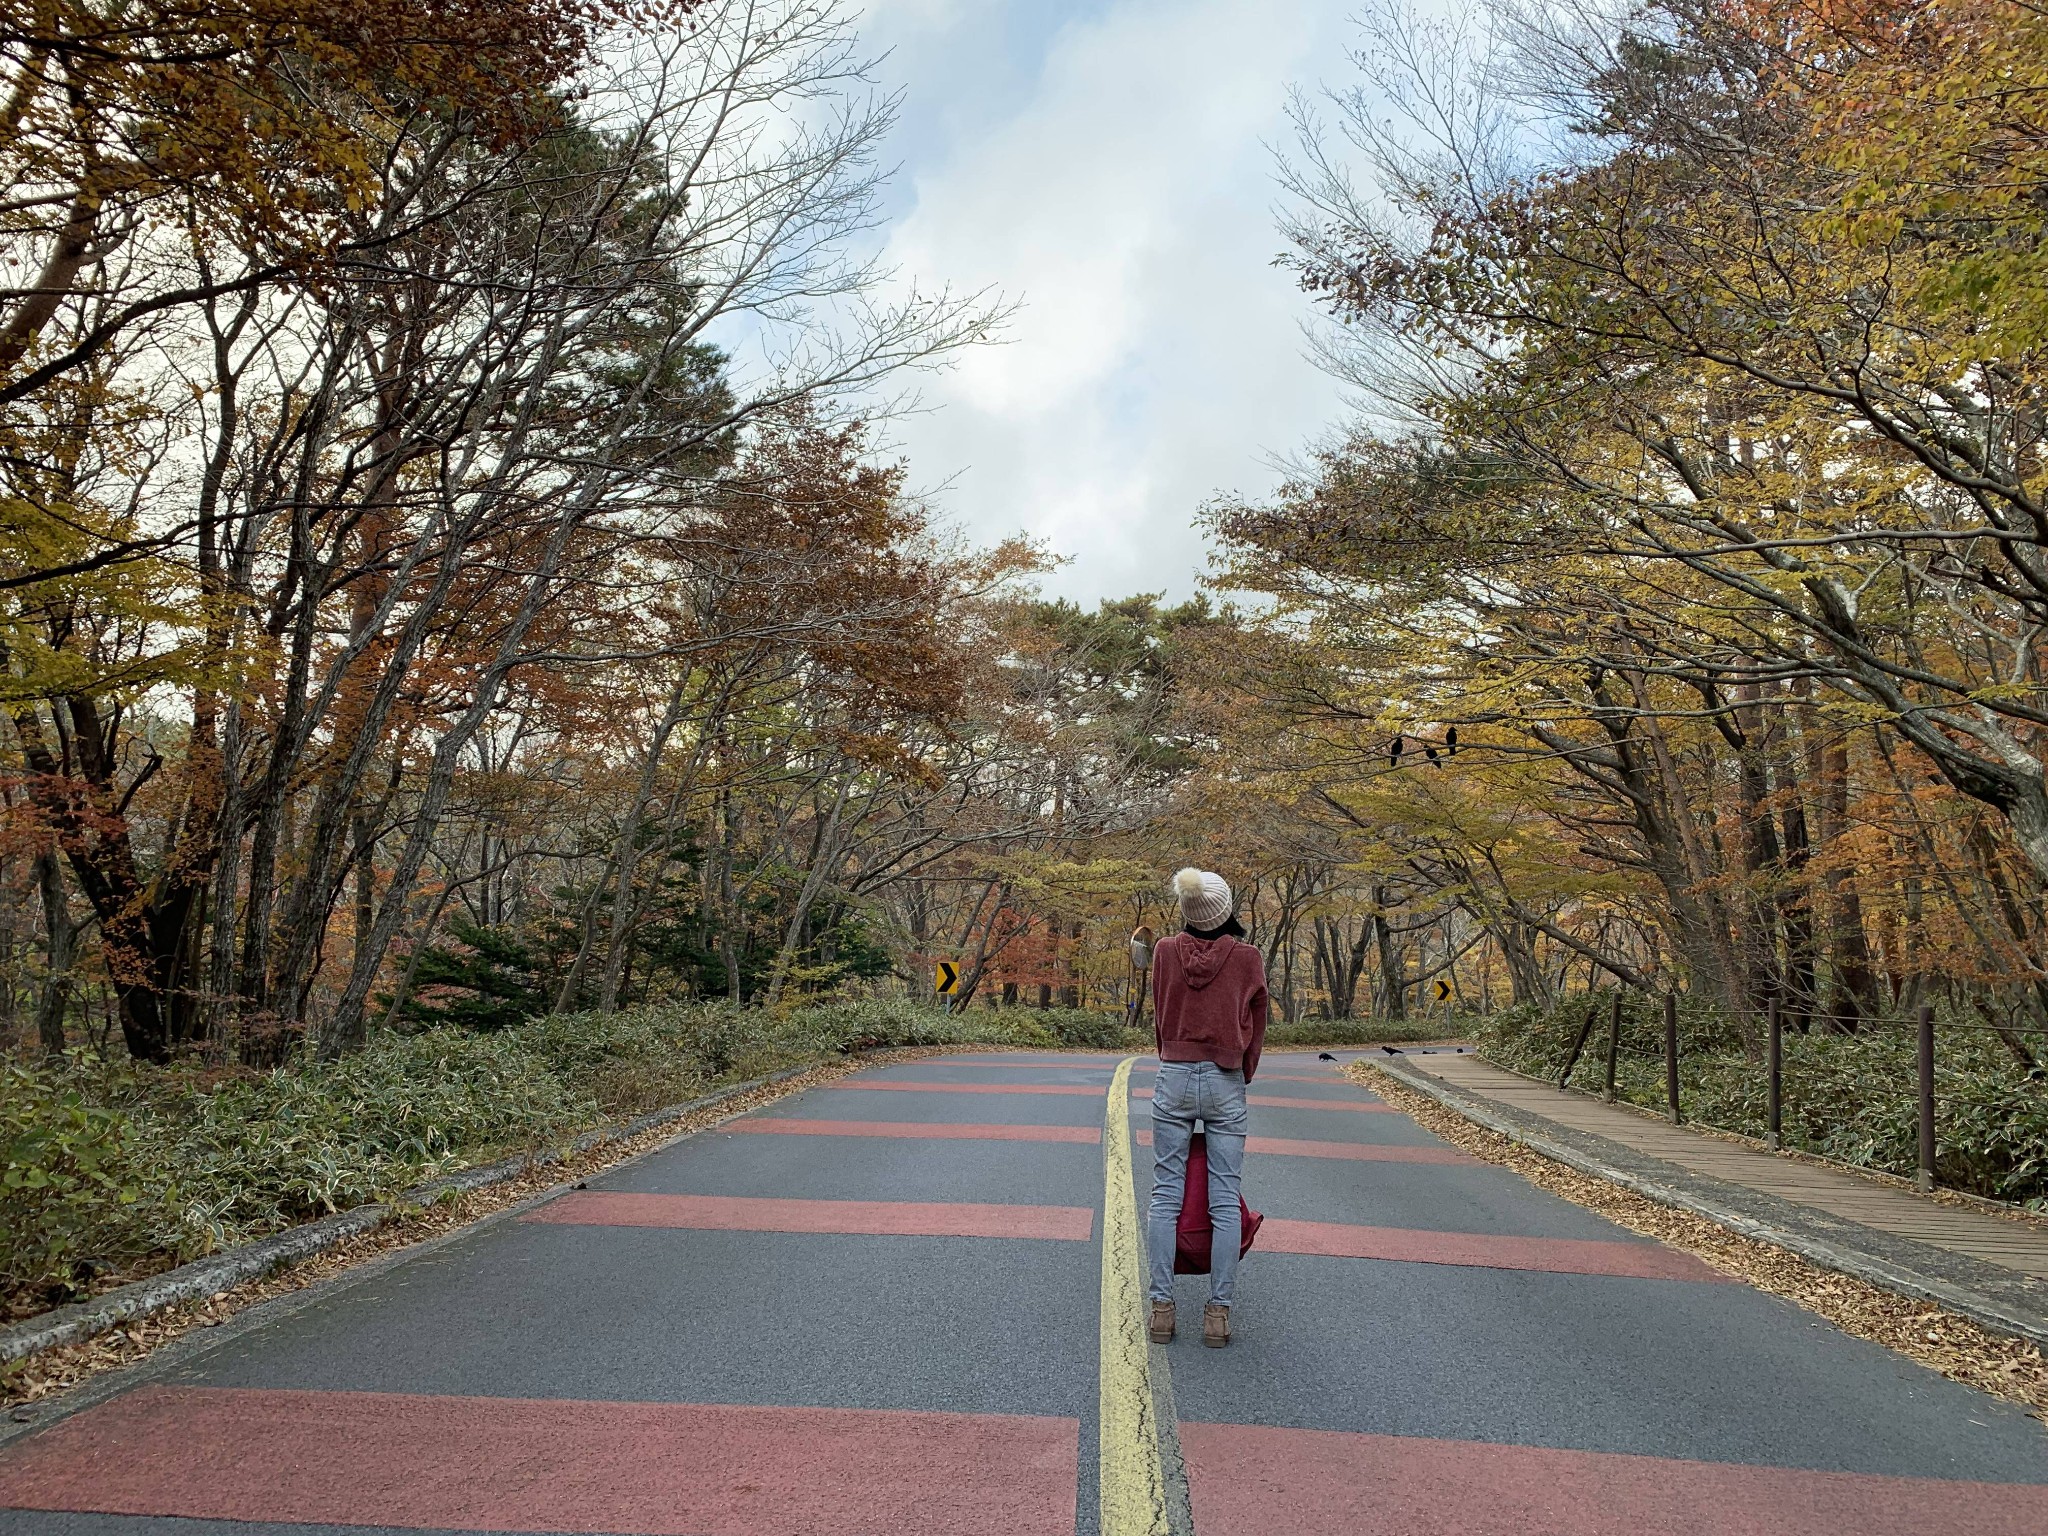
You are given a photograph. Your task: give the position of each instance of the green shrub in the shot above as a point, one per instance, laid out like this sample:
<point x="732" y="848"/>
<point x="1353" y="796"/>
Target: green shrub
<point x="640" y="1059"/>
<point x="487" y="979"/>
<point x="253" y="1153"/>
<point x="872" y="1023"/>
<point x="67" y="1185"/>
<point x="1083" y="1029"/>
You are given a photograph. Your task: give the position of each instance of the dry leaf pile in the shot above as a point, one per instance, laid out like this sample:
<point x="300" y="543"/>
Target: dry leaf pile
<point x="1958" y="1348"/>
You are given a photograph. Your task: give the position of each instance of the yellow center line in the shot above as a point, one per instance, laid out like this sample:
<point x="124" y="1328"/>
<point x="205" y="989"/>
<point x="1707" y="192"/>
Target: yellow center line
<point x="1132" y="1483"/>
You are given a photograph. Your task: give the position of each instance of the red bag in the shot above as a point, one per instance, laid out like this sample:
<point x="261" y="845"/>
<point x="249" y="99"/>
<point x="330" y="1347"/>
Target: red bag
<point x="1192" y="1237"/>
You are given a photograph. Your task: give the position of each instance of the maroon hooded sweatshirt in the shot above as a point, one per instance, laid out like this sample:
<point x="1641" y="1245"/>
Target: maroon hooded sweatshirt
<point x="1209" y="1001"/>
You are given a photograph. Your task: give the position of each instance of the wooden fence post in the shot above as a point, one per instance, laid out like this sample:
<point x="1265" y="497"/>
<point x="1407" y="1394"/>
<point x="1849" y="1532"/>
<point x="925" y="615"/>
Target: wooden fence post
<point x="1671" y="1055"/>
<point x="1613" y="1042"/>
<point x="1777" y="1092"/>
<point x="1927" y="1097"/>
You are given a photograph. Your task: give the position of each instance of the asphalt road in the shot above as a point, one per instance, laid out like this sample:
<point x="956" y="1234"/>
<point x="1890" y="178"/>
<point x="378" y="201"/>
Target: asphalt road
<point x="879" y="1307"/>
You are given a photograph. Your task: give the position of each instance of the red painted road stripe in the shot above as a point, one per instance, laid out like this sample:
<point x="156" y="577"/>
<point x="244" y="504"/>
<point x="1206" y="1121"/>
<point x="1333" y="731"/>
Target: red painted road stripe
<point x="901" y="1085"/>
<point x="1049" y="1063"/>
<point x="1068" y="1082"/>
<point x="914" y="1129"/>
<point x="1287" y="1101"/>
<point x="1355" y="1151"/>
<point x="1332" y="1081"/>
<point x="1414" y="1245"/>
<point x="512" y="1464"/>
<point x="1270" y="1100"/>
<point x="1364" y="1152"/>
<point x="891" y="1218"/>
<point x="1316" y="1482"/>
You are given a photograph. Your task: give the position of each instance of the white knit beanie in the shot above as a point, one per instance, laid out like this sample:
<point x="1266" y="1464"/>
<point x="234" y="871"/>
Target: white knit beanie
<point x="1205" y="900"/>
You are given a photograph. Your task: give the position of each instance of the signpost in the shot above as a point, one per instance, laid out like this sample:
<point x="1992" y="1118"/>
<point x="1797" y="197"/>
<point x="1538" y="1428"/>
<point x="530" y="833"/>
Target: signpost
<point x="948" y="978"/>
<point x="1142" y="940"/>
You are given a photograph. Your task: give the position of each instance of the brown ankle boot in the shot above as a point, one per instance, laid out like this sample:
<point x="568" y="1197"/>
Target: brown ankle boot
<point x="1162" y="1322"/>
<point x="1215" y="1325"/>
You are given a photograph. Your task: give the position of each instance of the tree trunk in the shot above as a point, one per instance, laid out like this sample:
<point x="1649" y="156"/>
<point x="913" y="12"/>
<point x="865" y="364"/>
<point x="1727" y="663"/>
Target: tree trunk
<point x="824" y="854"/>
<point x="1853" y="979"/>
<point x="1762" y="857"/>
<point x="1801" y="993"/>
<point x="1393" y="982"/>
<point x="61" y="936"/>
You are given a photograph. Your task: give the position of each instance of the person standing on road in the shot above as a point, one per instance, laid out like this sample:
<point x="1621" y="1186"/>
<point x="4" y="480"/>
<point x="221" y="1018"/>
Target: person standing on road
<point x="1209" y="1018"/>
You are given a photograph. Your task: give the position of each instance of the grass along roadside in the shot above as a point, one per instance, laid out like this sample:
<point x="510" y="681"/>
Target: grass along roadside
<point x="40" y="1376"/>
<point x="1930" y="1335"/>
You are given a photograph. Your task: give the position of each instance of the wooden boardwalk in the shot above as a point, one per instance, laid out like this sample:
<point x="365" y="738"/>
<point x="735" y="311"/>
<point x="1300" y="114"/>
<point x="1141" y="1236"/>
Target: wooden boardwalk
<point x="2014" y="1242"/>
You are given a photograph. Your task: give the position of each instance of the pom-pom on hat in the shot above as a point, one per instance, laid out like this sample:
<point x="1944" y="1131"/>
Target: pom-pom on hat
<point x="1205" y="900"/>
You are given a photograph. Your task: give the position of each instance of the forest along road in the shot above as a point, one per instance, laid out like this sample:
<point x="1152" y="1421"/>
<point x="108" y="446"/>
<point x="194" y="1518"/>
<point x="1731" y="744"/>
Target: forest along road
<point x="875" y="1308"/>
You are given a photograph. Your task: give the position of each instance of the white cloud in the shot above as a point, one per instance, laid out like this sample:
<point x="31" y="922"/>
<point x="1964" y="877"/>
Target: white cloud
<point x="1123" y="192"/>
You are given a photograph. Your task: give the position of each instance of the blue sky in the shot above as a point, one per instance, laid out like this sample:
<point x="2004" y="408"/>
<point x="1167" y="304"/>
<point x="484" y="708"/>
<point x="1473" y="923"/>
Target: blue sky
<point x="1107" y="165"/>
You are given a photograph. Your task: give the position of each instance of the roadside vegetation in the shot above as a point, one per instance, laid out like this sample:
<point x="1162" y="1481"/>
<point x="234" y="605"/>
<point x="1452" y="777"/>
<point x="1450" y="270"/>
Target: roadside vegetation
<point x="1849" y="1097"/>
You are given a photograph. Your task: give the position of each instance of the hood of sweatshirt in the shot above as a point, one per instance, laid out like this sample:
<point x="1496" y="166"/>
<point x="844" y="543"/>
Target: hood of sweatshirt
<point x="1202" y="959"/>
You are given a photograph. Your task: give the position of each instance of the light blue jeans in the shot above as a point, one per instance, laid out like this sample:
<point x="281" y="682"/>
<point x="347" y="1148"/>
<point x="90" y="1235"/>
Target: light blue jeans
<point x="1184" y="1092"/>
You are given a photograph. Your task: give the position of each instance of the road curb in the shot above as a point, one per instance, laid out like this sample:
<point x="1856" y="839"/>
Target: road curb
<point x="1998" y="1299"/>
<point x="202" y="1278"/>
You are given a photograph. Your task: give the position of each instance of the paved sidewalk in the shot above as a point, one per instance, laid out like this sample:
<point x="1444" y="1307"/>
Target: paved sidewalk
<point x="1990" y="1266"/>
